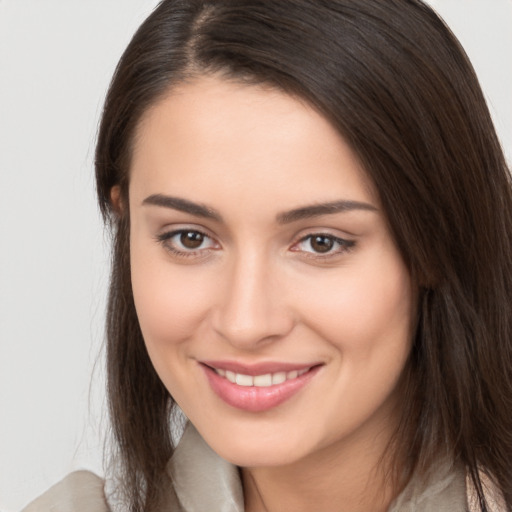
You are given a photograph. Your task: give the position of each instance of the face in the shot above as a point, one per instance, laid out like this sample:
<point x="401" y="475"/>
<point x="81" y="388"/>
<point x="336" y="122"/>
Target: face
<point x="273" y="302"/>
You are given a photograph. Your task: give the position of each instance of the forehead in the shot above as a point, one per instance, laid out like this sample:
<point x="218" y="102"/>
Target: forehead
<point x="242" y="139"/>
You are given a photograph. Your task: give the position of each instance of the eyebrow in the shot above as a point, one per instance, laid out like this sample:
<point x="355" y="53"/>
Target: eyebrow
<point x="304" y="212"/>
<point x="183" y="205"/>
<point x="315" y="210"/>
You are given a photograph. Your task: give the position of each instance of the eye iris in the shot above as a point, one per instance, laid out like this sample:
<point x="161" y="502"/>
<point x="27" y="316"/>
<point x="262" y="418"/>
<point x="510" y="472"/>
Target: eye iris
<point x="191" y="239"/>
<point x="320" y="243"/>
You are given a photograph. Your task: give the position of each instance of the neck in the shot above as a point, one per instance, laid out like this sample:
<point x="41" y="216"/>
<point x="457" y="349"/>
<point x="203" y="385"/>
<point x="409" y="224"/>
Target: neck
<point x="348" y="477"/>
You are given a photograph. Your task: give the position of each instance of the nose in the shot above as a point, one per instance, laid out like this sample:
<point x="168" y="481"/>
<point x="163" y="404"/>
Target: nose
<point x="252" y="308"/>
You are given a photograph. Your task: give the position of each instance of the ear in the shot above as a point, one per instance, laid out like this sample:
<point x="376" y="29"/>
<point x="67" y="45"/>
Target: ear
<point x="116" y="201"/>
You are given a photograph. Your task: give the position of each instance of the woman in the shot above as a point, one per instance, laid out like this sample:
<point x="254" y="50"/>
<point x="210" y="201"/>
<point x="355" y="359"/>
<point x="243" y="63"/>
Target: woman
<point x="312" y="224"/>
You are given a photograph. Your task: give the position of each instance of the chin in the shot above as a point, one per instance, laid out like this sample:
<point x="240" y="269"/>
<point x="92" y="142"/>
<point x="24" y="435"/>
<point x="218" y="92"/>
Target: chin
<point x="248" y="449"/>
<point x="256" y="455"/>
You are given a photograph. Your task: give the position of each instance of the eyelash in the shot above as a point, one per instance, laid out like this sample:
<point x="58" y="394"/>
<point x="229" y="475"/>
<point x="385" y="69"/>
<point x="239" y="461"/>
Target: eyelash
<point x="344" y="246"/>
<point x="165" y="239"/>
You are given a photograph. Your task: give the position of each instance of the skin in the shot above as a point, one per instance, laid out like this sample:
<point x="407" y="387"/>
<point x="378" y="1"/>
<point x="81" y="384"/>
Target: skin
<point x="257" y="290"/>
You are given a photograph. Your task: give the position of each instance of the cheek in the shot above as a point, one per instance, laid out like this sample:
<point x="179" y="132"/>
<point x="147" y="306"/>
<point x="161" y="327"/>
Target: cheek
<point x="170" y="302"/>
<point x="363" y="309"/>
<point x="366" y="320"/>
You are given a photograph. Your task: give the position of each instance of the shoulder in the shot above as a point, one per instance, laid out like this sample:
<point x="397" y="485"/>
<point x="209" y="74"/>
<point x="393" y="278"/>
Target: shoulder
<point x="81" y="491"/>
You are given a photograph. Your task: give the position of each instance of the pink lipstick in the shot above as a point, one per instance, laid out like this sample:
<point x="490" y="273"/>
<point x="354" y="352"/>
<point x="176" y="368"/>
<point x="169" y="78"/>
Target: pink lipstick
<point x="259" y="387"/>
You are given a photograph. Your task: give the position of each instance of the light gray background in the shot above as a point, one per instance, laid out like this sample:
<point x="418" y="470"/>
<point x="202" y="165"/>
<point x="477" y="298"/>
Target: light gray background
<point x="56" y="59"/>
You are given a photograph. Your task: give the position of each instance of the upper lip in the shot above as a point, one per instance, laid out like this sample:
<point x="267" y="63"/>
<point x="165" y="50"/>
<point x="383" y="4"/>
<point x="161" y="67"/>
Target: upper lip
<point x="261" y="368"/>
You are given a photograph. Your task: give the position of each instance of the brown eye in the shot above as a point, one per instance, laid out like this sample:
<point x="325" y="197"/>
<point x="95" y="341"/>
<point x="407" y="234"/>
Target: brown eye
<point x="321" y="243"/>
<point x="187" y="242"/>
<point x="191" y="239"/>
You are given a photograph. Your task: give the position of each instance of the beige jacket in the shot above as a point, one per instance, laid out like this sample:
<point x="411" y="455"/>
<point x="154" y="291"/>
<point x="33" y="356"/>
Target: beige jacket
<point x="203" y="482"/>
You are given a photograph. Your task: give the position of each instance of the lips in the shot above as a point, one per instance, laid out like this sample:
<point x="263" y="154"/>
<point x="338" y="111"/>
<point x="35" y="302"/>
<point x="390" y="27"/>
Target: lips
<point x="258" y="387"/>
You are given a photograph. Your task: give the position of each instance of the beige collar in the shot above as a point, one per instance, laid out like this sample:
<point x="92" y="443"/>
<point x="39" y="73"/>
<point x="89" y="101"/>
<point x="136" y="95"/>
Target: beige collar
<point x="202" y="480"/>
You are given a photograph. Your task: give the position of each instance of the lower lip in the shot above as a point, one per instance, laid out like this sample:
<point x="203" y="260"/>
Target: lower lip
<point x="253" y="398"/>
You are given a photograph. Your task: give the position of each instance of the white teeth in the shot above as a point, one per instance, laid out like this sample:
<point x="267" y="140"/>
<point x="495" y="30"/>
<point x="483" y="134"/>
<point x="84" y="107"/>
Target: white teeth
<point x="278" y="378"/>
<point x="263" y="380"/>
<point x="244" y="380"/>
<point x="260" y="381"/>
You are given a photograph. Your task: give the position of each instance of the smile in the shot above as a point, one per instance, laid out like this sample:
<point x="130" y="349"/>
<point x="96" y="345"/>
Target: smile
<point x="262" y="381"/>
<point x="258" y="388"/>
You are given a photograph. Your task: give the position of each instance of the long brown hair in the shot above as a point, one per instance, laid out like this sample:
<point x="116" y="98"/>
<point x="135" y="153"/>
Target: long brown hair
<point x="397" y="85"/>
